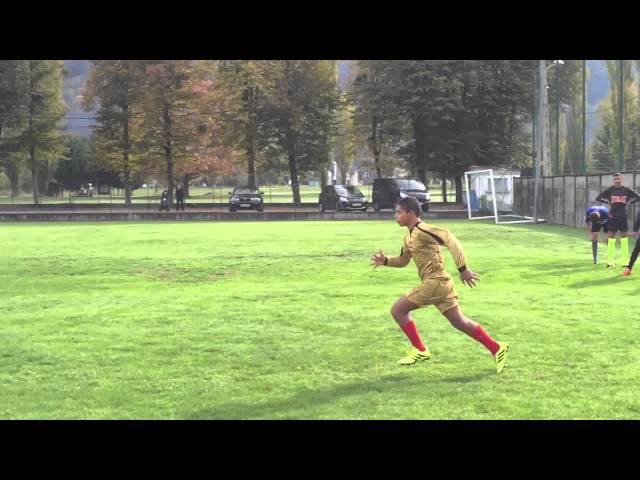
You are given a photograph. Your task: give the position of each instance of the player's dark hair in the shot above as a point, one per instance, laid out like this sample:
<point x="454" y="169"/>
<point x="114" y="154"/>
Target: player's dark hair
<point x="594" y="216"/>
<point x="409" y="204"/>
<point x="617" y="174"/>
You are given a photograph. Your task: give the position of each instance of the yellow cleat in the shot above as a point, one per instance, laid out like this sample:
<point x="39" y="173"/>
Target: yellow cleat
<point x="501" y="356"/>
<point x="414" y="356"/>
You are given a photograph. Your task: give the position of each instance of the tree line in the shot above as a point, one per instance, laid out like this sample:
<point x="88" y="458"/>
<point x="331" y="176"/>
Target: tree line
<point x="181" y="119"/>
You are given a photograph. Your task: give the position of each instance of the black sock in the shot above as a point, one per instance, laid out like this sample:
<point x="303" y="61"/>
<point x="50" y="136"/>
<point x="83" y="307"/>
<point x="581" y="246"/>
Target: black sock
<point x="594" y="247"/>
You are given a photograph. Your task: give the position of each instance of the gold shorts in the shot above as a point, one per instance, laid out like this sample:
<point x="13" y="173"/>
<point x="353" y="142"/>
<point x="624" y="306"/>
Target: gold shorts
<point x="439" y="293"/>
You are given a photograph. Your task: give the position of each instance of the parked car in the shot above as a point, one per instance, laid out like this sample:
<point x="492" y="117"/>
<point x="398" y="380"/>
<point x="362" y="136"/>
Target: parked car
<point x="387" y="192"/>
<point x="342" y="197"/>
<point x="246" y="198"/>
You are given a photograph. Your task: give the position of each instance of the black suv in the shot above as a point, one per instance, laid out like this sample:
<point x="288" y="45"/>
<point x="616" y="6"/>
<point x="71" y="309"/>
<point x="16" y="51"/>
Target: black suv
<point x="246" y="198"/>
<point x="387" y="192"/>
<point x="342" y="197"/>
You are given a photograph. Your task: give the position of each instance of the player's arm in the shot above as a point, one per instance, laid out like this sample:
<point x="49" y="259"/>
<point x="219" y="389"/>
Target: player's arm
<point x="451" y="242"/>
<point x="379" y="259"/>
<point x="401" y="260"/>
<point x="636" y="226"/>
<point x="633" y="195"/>
<point x="605" y="197"/>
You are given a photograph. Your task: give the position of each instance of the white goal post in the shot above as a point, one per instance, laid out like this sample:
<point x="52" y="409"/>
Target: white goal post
<point x="483" y="198"/>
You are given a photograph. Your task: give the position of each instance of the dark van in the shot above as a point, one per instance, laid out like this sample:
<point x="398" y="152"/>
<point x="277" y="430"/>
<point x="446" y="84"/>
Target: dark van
<point x="387" y="192"/>
<point x="341" y="197"/>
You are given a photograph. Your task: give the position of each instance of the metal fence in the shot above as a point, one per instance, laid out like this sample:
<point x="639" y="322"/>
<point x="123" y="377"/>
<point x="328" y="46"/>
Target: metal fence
<point x="563" y="200"/>
<point x="148" y="196"/>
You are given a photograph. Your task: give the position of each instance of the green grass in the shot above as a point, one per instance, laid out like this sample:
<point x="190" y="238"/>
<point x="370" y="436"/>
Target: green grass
<point x="286" y="320"/>
<point x="275" y="194"/>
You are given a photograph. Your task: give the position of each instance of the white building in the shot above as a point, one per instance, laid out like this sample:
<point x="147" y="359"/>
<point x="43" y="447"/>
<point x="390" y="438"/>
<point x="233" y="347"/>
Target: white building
<point x="480" y="193"/>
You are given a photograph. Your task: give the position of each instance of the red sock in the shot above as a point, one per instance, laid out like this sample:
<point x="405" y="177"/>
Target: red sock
<point x="483" y="337"/>
<point x="411" y="332"/>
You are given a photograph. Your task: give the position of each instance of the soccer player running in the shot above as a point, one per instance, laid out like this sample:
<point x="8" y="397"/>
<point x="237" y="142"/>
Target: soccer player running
<point x="618" y="197"/>
<point x="422" y="243"/>
<point x="596" y="219"/>
<point x="636" y="249"/>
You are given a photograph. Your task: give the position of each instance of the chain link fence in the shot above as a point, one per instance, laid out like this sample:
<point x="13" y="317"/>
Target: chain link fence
<point x="563" y="200"/>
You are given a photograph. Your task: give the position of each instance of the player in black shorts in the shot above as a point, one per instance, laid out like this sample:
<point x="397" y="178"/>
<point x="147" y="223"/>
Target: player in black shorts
<point x="617" y="197"/>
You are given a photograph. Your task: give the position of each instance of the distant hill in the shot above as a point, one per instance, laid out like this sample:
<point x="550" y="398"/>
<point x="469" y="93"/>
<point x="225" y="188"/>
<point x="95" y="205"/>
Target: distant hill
<point x="597" y="90"/>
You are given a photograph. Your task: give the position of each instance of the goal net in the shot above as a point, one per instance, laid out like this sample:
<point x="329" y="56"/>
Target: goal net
<point x="489" y="195"/>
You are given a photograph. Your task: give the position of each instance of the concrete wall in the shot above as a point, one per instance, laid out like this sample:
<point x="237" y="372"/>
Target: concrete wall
<point x="208" y="216"/>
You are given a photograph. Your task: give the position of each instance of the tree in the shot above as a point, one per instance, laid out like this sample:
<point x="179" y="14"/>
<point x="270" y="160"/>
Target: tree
<point x="207" y="153"/>
<point x="603" y="160"/>
<point x="242" y="87"/>
<point x="172" y="116"/>
<point x="565" y="97"/>
<point x="345" y="139"/>
<point x="13" y="108"/>
<point x="451" y="114"/>
<point x="571" y="148"/>
<point x="372" y="107"/>
<point x="606" y="148"/>
<point x="116" y="87"/>
<point x="81" y="165"/>
<point x="298" y="115"/>
<point x="41" y="136"/>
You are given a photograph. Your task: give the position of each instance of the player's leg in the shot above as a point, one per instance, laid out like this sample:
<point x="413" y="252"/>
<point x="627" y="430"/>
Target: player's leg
<point x="611" y="242"/>
<point x="446" y="300"/>
<point x="459" y="321"/>
<point x="632" y="260"/>
<point x="400" y="311"/>
<point x="595" y="229"/>
<point x="474" y="330"/>
<point x="624" y="238"/>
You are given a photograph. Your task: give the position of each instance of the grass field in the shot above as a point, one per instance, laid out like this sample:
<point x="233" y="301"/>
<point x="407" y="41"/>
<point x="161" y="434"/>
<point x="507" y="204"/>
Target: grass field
<point x="274" y="194"/>
<point x="286" y="320"/>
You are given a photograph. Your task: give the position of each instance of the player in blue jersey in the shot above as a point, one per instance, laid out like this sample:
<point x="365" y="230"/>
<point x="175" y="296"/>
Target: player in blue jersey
<point x="596" y="219"/>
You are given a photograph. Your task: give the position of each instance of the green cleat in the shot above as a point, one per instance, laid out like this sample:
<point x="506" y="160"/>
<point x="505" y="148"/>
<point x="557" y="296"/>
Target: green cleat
<point x="414" y="356"/>
<point x="501" y="356"/>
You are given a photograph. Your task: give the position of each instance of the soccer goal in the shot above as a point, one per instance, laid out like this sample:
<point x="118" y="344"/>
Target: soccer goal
<point x="489" y="195"/>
